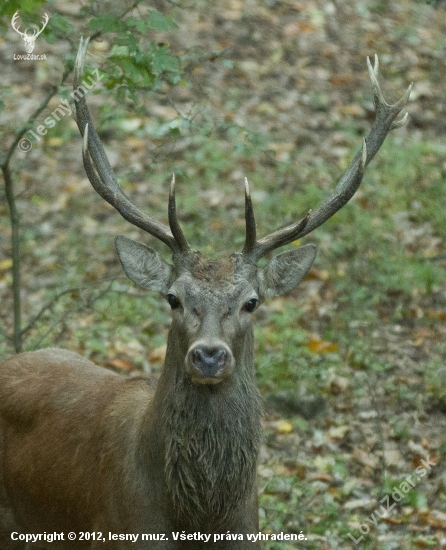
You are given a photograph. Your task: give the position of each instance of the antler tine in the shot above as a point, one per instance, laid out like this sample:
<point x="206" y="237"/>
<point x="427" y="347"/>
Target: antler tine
<point x="175" y="227"/>
<point x="14" y="24"/>
<point x="352" y="177"/>
<point x="45" y="22"/>
<point x="250" y="220"/>
<point x="100" y="172"/>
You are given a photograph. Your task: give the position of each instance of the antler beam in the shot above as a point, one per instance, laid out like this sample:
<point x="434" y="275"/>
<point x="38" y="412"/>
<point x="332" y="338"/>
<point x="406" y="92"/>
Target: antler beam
<point x="104" y="181"/>
<point x="347" y="186"/>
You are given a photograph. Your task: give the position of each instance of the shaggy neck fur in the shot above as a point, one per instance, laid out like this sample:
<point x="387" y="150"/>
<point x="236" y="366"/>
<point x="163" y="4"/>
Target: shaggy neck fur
<point x="212" y="436"/>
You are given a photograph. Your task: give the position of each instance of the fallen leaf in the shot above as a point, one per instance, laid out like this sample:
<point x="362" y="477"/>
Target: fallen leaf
<point x="122" y="364"/>
<point x="359" y="503"/>
<point x="392" y="457"/>
<point x="434" y="518"/>
<point x="55" y="141"/>
<point x="5" y="265"/>
<point x="318" y="274"/>
<point x="392" y="520"/>
<point x="338" y="432"/>
<point x="296" y="28"/>
<point x="338" y="384"/>
<point x="158" y="354"/>
<point x="284" y="427"/>
<point x="351" y="110"/>
<point x="266" y="472"/>
<point x="321" y="476"/>
<point x="320" y="346"/>
<point x="436" y="314"/>
<point x="365" y="458"/>
<point x="367" y="415"/>
<point x="417" y="449"/>
<point x="282" y="150"/>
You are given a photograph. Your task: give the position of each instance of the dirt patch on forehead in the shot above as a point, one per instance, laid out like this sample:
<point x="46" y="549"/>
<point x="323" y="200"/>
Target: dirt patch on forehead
<point x="212" y="271"/>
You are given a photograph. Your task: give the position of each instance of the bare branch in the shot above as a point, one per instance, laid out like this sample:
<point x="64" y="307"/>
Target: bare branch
<point x="15" y="245"/>
<point x="46" y="307"/>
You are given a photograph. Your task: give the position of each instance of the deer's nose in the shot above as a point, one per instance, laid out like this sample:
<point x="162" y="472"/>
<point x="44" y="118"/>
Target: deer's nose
<point x="209" y="360"/>
<point x="210" y="364"/>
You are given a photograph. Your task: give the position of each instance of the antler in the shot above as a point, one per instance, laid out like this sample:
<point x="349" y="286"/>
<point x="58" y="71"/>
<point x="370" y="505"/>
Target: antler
<point x="104" y="181"/>
<point x="14" y="24"/>
<point x="347" y="186"/>
<point x="45" y="21"/>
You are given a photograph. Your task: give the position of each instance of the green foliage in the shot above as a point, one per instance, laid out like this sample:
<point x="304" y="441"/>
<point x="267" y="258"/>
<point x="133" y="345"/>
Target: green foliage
<point x="401" y="492"/>
<point x="281" y="344"/>
<point x="9" y="7"/>
<point x="57" y="26"/>
<point x="154" y="20"/>
<point x="436" y="382"/>
<point x="159" y="22"/>
<point x="132" y="67"/>
<point x="136" y="62"/>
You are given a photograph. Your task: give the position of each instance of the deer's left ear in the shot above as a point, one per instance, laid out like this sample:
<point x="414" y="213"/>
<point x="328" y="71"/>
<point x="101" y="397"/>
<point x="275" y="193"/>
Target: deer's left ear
<point x="286" y="270"/>
<point x="143" y="265"/>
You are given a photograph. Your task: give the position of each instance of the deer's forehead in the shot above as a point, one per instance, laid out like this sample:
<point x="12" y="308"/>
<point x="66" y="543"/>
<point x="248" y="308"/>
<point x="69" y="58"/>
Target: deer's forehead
<point x="219" y="283"/>
<point x="221" y="273"/>
<point x="215" y="272"/>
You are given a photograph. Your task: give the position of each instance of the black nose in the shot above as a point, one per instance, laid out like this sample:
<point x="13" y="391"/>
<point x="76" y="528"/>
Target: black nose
<point x="209" y="361"/>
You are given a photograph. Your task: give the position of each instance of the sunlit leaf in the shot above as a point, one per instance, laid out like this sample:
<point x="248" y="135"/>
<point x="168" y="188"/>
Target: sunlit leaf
<point x="320" y="346"/>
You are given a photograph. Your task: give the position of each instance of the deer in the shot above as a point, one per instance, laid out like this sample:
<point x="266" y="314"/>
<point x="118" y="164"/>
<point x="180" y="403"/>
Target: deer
<point x="172" y="463"/>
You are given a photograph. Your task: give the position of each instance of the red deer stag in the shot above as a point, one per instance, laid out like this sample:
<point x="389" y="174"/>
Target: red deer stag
<point x="85" y="450"/>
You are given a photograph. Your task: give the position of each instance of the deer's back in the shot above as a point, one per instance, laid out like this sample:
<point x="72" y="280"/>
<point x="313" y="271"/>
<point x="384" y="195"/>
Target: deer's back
<point x="66" y="429"/>
<point x="50" y="380"/>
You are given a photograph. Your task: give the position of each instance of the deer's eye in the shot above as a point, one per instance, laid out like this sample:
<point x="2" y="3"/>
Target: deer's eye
<point x="173" y="301"/>
<point x="251" y="305"/>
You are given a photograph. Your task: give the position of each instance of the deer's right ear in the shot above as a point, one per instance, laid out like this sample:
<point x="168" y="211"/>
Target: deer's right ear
<point x="143" y="265"/>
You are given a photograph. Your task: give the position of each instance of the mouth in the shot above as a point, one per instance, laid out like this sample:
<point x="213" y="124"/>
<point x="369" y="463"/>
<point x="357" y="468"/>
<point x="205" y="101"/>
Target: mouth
<point x="207" y="380"/>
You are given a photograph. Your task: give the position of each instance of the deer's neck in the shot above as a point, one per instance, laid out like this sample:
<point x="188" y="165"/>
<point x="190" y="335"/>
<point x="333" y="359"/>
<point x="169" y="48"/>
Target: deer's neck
<point x="211" y="438"/>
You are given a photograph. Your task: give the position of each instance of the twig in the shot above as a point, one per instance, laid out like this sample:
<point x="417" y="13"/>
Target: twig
<point x="46" y="307"/>
<point x="15" y="244"/>
<point x="28" y="125"/>
<point x="52" y="327"/>
<point x="89" y="303"/>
